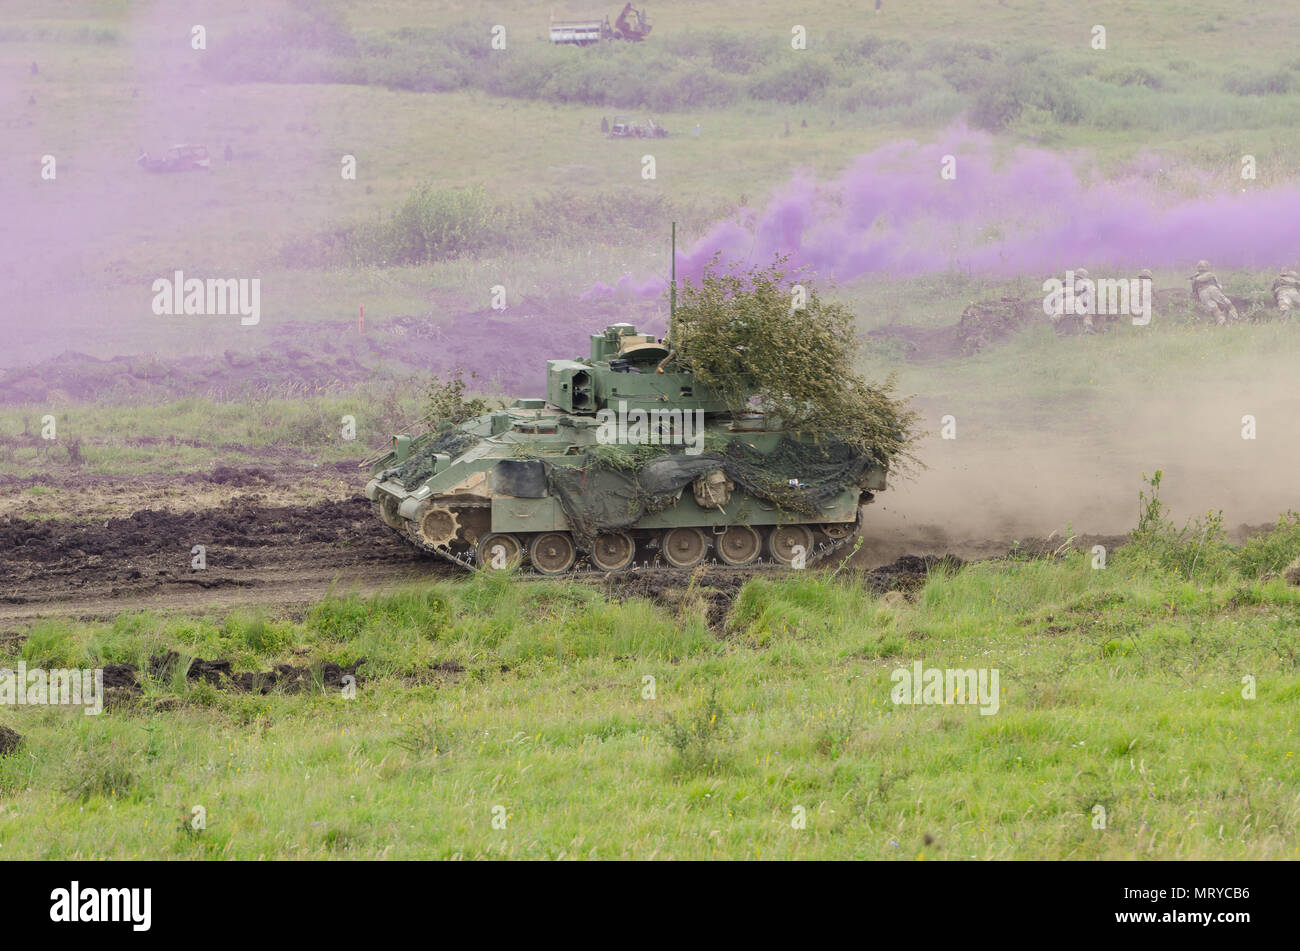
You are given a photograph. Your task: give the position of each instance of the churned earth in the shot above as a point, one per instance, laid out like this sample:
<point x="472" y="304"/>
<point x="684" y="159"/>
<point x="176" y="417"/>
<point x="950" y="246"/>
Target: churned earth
<point x="94" y="546"/>
<point x="261" y="544"/>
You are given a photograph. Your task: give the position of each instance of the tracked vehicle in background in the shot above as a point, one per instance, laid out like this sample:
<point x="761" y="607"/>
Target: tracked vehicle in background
<point x="627" y="462"/>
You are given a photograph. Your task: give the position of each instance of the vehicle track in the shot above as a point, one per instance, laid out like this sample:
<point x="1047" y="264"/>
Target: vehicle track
<point x="286" y="557"/>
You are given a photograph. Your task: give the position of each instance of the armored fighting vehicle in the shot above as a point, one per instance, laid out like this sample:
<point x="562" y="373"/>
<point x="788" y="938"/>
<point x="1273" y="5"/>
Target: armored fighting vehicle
<point x="627" y="462"/>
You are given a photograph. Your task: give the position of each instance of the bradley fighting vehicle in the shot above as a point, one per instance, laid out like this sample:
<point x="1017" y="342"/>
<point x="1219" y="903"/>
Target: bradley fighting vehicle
<point x="628" y="461"/>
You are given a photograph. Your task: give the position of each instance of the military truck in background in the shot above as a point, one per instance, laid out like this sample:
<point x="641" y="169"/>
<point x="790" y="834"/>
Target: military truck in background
<point x="631" y="24"/>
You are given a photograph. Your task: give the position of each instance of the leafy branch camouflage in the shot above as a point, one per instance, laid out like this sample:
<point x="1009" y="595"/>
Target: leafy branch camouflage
<point x="445" y="402"/>
<point x="740" y="334"/>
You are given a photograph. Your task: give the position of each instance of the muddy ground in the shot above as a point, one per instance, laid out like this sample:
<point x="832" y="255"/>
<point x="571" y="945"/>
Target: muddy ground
<point x="255" y="551"/>
<point x="261" y="547"/>
<point x="61" y="492"/>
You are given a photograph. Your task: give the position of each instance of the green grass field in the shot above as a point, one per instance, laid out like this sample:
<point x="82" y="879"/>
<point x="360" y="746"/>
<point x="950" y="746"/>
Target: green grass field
<point x="1122" y="688"/>
<point x="195" y="434"/>
<point x="1160" y="689"/>
<point x="1168" y="74"/>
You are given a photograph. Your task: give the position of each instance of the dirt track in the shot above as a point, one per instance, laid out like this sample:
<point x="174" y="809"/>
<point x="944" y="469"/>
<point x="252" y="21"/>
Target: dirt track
<point x="255" y="553"/>
<point x="264" y="546"/>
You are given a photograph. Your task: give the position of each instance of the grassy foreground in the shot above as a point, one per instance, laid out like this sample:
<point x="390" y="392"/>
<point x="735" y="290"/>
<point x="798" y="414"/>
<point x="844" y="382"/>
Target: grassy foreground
<point x="1121" y="688"/>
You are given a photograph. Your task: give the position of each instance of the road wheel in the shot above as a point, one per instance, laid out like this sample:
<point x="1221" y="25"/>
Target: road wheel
<point x="552" y="553"/>
<point x="388" y="506"/>
<point x="739" y="545"/>
<point x="685" y="547"/>
<point x="837" y="530"/>
<point x="788" y="542"/>
<point x="613" y="551"/>
<point x="499" y="551"/>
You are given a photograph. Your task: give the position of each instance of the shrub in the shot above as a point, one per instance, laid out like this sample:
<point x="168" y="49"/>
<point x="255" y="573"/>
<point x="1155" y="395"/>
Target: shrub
<point x="696" y="737"/>
<point x="1132" y="76"/>
<point x="255" y="633"/>
<point x="49" y="645"/>
<point x="968" y="66"/>
<point x="1197" y="549"/>
<point x="100" y="769"/>
<point x="425" y="738"/>
<point x="1272" y="551"/>
<point x="887" y="54"/>
<point x="445" y="402"/>
<point x="588" y="215"/>
<point x="435" y="223"/>
<point x="797" y="82"/>
<point x="1276" y="83"/>
<point x="596" y="81"/>
<point x="996" y="107"/>
<point x="1009" y="92"/>
<point x="1060" y="100"/>
<point x="890" y="91"/>
<point x="704" y="88"/>
<point x="431" y="224"/>
<point x="738" y="54"/>
<point x="725" y="51"/>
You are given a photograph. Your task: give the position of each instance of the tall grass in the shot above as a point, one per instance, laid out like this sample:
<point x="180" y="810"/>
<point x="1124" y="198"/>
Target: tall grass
<point x="1001" y="85"/>
<point x="440" y="224"/>
<point x="605" y="725"/>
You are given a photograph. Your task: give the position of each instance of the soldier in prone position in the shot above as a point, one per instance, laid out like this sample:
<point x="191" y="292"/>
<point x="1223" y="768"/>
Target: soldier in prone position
<point x="1208" y="292"/>
<point x="1286" y="290"/>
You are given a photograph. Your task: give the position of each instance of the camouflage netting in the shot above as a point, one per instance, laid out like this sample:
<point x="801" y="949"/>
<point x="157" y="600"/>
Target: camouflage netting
<point x="419" y="465"/>
<point x="600" y="496"/>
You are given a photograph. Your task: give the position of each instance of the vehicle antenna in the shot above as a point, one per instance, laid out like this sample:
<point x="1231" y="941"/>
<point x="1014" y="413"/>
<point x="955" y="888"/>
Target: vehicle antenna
<point x="672" y="288"/>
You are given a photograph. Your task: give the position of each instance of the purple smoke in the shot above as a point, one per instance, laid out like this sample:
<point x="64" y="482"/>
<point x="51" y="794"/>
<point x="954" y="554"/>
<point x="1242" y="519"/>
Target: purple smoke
<point x="1033" y="212"/>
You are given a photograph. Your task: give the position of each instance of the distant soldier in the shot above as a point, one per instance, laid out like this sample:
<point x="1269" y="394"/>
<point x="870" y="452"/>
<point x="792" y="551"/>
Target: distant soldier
<point x="1147" y="287"/>
<point x="604" y="124"/>
<point x="1286" y="290"/>
<point x="229" y="153"/>
<point x="34" y="69"/>
<point x="1208" y="292"/>
<point x="1082" y="292"/>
